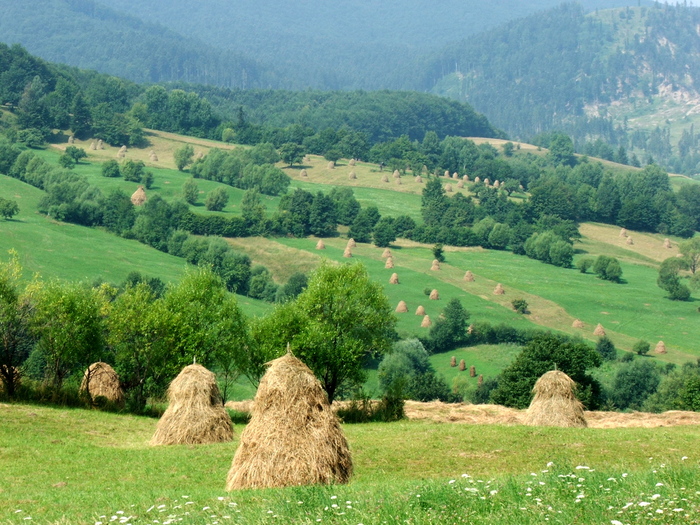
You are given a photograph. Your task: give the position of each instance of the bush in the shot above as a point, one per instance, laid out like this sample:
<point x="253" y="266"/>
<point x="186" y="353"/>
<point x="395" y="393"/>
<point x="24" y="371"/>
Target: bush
<point x="584" y="264"/>
<point x="607" y="268"/>
<point x="606" y="349"/>
<point x="520" y="305"/>
<point x="634" y="382"/>
<point x="641" y="348"/>
<point x="217" y="199"/>
<point x="111" y="169"/>
<point x="438" y="253"/>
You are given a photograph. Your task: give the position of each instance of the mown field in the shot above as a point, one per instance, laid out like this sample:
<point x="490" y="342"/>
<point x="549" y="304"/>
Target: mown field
<point x="88" y="467"/>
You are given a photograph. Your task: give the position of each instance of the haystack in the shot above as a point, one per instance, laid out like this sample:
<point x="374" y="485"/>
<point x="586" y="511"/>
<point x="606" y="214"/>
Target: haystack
<point x="460" y="184"/>
<point x="351" y="162"/>
<point x="629" y="241"/>
<point x="448" y="188"/>
<point x="402" y="308"/>
<point x="293" y="437"/>
<point x="123" y="148"/>
<point x="487" y="181"/>
<point x="599" y="331"/>
<point x="465" y="178"/>
<point x="420" y="311"/>
<point x="434" y="295"/>
<point x="578" y="324"/>
<point x="472" y="371"/>
<point x="623" y="232"/>
<point x="447" y="173"/>
<point x="499" y="290"/>
<point x="121" y="154"/>
<point x="419" y="179"/>
<point x="347" y="253"/>
<point x="667" y="243"/>
<point x="398" y="182"/>
<point x="660" y="348"/>
<point x="394" y="279"/>
<point x="139" y="196"/>
<point x="477" y="180"/>
<point x="396" y="174"/>
<point x="351" y="243"/>
<point x="389" y="264"/>
<point x="469" y="276"/>
<point x="93" y="146"/>
<point x="480" y="380"/>
<point x="455" y="175"/>
<point x="303" y="173"/>
<point x="555" y="403"/>
<point x="385" y="178"/>
<point x="199" y="155"/>
<point x="320" y="245"/>
<point x="102" y="381"/>
<point x="496" y="184"/>
<point x="426" y="323"/>
<point x="453" y="361"/>
<point x="153" y="156"/>
<point x="331" y="165"/>
<point x="195" y="413"/>
<point x="386" y="253"/>
<point x="436" y="265"/>
<point x="462" y="365"/>
<point x="100" y="144"/>
<point x="352" y="175"/>
<point x="71" y="139"/>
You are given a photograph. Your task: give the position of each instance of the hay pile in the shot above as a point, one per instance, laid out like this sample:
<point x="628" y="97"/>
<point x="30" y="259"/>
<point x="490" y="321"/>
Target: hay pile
<point x="462" y="365"/>
<point x="320" y="245"/>
<point x="465" y="178"/>
<point x="331" y="165"/>
<point x="303" y="173"/>
<point x="660" y="348"/>
<point x="199" y="155"/>
<point x="93" y="146"/>
<point x="123" y="149"/>
<point x="101" y="380"/>
<point x="396" y="174"/>
<point x="629" y="241"/>
<point x="195" y="413"/>
<point x="448" y="188"/>
<point x="398" y="182"/>
<point x="460" y="184"/>
<point x="385" y="178"/>
<point x="434" y="295"/>
<point x="499" y="290"/>
<point x="447" y="173"/>
<point x="599" y="331"/>
<point x="477" y="180"/>
<point x="389" y="264"/>
<point x="351" y="243"/>
<point x="578" y="324"/>
<point x="71" y="139"/>
<point x="436" y="265"/>
<point x="469" y="276"/>
<point x="420" y="310"/>
<point x="121" y="154"/>
<point x="402" y="308"/>
<point x="480" y="380"/>
<point x="100" y="144"/>
<point x="293" y="437"/>
<point x="419" y="179"/>
<point x="351" y="162"/>
<point x="455" y="175"/>
<point x="153" y="156"/>
<point x="667" y="243"/>
<point x="352" y="175"/>
<point x="386" y="253"/>
<point x="623" y="232"/>
<point x="487" y="181"/>
<point x="453" y="361"/>
<point x="555" y="403"/>
<point x="394" y="279"/>
<point x="138" y="198"/>
<point x="426" y="322"/>
<point x="496" y="184"/>
<point x="347" y="253"/>
<point x="472" y="371"/>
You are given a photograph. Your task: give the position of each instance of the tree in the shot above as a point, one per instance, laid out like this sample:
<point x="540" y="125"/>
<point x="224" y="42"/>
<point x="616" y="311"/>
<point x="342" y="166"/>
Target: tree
<point x="384" y="233"/>
<point x="363" y="225"/>
<point x="291" y="153"/>
<point x="118" y="213"/>
<point x="691" y="253"/>
<point x="216" y="199"/>
<point x="520" y="305"/>
<point x="190" y="191"/>
<point x="670" y="281"/>
<point x="296" y="284"/>
<point x="561" y="150"/>
<point x="81" y="120"/>
<point x="183" y="156"/>
<point x="8" y="208"/>
<point x="133" y="170"/>
<point x="323" y="221"/>
<point x="66" y="161"/>
<point x="253" y="211"/>
<point x="607" y="268"/>
<point x="434" y="202"/>
<point x="641" y="347"/>
<point x="634" y="382"/>
<point x="110" y="168"/>
<point x="606" y="348"/>
<point x="450" y="329"/>
<point x="438" y="252"/>
<point x="75" y="153"/>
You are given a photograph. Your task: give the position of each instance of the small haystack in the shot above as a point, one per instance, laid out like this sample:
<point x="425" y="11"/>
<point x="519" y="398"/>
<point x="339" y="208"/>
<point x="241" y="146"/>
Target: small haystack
<point x="426" y="322"/>
<point x="351" y="243"/>
<point x="71" y="139"/>
<point x="352" y="175"/>
<point x="455" y="175"/>
<point x="394" y="279"/>
<point x="386" y="253"/>
<point x="351" y="162"/>
<point x="434" y="295"/>
<point x="121" y="154"/>
<point x="293" y="437"/>
<point x="100" y="144"/>
<point x="460" y="184"/>
<point x="480" y="380"/>
<point x="436" y="265"/>
<point x="599" y="331"/>
<point x="303" y="173"/>
<point x="419" y="179"/>
<point x="331" y="165"/>
<point x="153" y="156"/>
<point x="347" y="253"/>
<point x="389" y="264"/>
<point x="447" y="173"/>
<point x="448" y="188"/>
<point x="396" y="174"/>
<point x="401" y="308"/>
<point x="420" y="311"/>
<point x="667" y="243"/>
<point x="623" y="232"/>
<point x="555" y="403"/>
<point x="195" y="413"/>
<point x="469" y="276"/>
<point x="385" y="178"/>
<point x="139" y="197"/>
<point x="320" y="245"/>
<point x="629" y="241"/>
<point x="472" y="371"/>
<point x="487" y="182"/>
<point x="499" y="290"/>
<point x="398" y="182"/>
<point x="123" y="148"/>
<point x="578" y="324"/>
<point x="93" y="146"/>
<point x="462" y="365"/>
<point x="496" y="184"/>
<point x="477" y="180"/>
<point x="660" y="348"/>
<point x="453" y="361"/>
<point x="102" y="381"/>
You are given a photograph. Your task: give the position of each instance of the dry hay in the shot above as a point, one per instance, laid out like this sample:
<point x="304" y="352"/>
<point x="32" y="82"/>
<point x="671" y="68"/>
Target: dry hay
<point x="386" y="253"/>
<point x="480" y="380"/>
<point x="347" y="253"/>
<point x="462" y="365"/>
<point x="245" y="406"/>
<point x="472" y="371"/>
<point x="123" y="148"/>
<point x="139" y="196"/>
<point x="93" y="146"/>
<point x="555" y="403"/>
<point x="599" y="331"/>
<point x="477" y="180"/>
<point x="470" y="329"/>
<point x="453" y="361"/>
<point x="629" y="241"/>
<point x="448" y="188"/>
<point x="578" y="324"/>
<point x="71" y="139"/>
<point x="436" y="265"/>
<point x="320" y="245"/>
<point x="455" y="175"/>
<point x="447" y="173"/>
<point x="667" y="243"/>
<point x="100" y="144"/>
<point x="420" y="310"/>
<point x="434" y="295"/>
<point x="199" y="155"/>
<point x="101" y="380"/>
<point x="121" y="154"/>
<point x="398" y="182"/>
<point x="394" y="279"/>
<point x="469" y="276"/>
<point x="419" y="179"/>
<point x="487" y="181"/>
<point x="331" y="165"/>
<point x="499" y="290"/>
<point x="385" y="178"/>
<point x="352" y="175"/>
<point x="496" y="184"/>
<point x="351" y="243"/>
<point x="460" y="184"/>
<point x="389" y="264"/>
<point x="660" y="348"/>
<point x="303" y="173"/>
<point x="195" y="413"/>
<point x="153" y="156"/>
<point x="396" y="174"/>
<point x="401" y="308"/>
<point x="351" y="162"/>
<point x="623" y="232"/>
<point x="293" y="437"/>
<point x="426" y="322"/>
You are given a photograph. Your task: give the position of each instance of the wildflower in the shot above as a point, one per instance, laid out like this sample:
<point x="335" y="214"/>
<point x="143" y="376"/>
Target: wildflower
<point x="644" y="503"/>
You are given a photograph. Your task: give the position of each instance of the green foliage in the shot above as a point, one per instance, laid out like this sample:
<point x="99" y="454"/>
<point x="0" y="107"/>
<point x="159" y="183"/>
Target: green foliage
<point x="633" y="383"/>
<point x="450" y="329"/>
<point x="75" y="153"/>
<point x="8" y="208"/>
<point x="678" y="390"/>
<point x="519" y="305"/>
<point x="550" y="248"/>
<point x="561" y="150"/>
<point x="291" y="153"/>
<point x="607" y="268"/>
<point x="384" y="234"/>
<point x="183" y="156"/>
<point x="110" y="168"/>
<point x="190" y="191"/>
<point x="364" y="223"/>
<point x="584" y="264"/>
<point x="216" y="199"/>
<point x="641" y="347"/>
<point x="669" y="279"/>
<point x="606" y="348"/>
<point x="691" y="253"/>
<point x="438" y="252"/>
<point x="132" y="170"/>
<point x="296" y="284"/>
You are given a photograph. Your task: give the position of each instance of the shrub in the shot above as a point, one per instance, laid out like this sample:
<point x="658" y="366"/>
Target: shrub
<point x="584" y="264"/>
<point x="634" y="382"/>
<point x="111" y="169"/>
<point x="520" y="305"/>
<point x="607" y="268"/>
<point x="641" y="347"/>
<point x="606" y="349"/>
<point x="438" y="253"/>
<point x="217" y="199"/>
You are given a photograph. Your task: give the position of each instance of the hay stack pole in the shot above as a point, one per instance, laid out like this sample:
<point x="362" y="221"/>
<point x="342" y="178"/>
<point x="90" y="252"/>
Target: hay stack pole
<point x="402" y="308"/>
<point x="599" y="331"/>
<point x="320" y="245"/>
<point x="660" y="348"/>
<point x="195" y="413"/>
<point x="389" y="263"/>
<point x="394" y="279"/>
<point x="436" y="265"/>
<point x="434" y="295"/>
<point x="420" y="310"/>
<point x="426" y="322"/>
<point x="100" y="380"/>
<point x="555" y="403"/>
<point x="351" y="243"/>
<point x="499" y="290"/>
<point x="469" y="276"/>
<point x="386" y="253"/>
<point x="293" y="437"/>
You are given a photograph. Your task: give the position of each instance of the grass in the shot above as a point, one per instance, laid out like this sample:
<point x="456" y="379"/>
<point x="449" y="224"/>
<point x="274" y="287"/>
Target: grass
<point x="79" y="467"/>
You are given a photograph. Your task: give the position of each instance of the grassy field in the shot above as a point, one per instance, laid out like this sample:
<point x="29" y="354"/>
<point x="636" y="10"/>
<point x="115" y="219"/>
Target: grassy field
<point x="87" y="467"/>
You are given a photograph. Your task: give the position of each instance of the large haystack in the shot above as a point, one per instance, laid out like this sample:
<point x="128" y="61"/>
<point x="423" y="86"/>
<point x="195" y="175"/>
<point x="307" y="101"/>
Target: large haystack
<point x="100" y="144"/>
<point x="434" y="295"/>
<point x="623" y="232"/>
<point x="347" y="253"/>
<point x="426" y="322"/>
<point x="352" y="175"/>
<point x="469" y="276"/>
<point x="320" y="245"/>
<point x="396" y="174"/>
<point x="394" y="279"/>
<point x="435" y="266"/>
<point x="303" y="173"/>
<point x="386" y="253"/>
<point x="139" y="197"/>
<point x="331" y="165"/>
<point x="71" y="139"/>
<point x="351" y="243"/>
<point x="448" y="188"/>
<point x="660" y="348"/>
<point x="401" y="308"/>
<point x="555" y="403"/>
<point x="499" y="290"/>
<point x="293" y="437"/>
<point x="578" y="324"/>
<point x="102" y="381"/>
<point x="389" y="264"/>
<point x="667" y="243"/>
<point x="599" y="331"/>
<point x="195" y="413"/>
<point x="385" y="178"/>
<point x="420" y="310"/>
